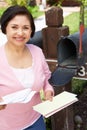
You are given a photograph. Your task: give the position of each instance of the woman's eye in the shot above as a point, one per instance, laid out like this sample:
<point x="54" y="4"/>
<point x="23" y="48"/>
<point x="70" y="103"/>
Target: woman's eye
<point x="23" y="28"/>
<point x="26" y="28"/>
<point x="14" y="27"/>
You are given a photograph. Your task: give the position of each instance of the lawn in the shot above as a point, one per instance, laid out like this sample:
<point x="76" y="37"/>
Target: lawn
<point x="73" y="21"/>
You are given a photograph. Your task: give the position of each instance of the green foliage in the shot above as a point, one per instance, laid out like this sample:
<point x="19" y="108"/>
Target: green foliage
<point x="57" y="3"/>
<point x="8" y="1"/>
<point x="84" y="2"/>
<point x="48" y="123"/>
<point x="78" y="85"/>
<point x="35" y="11"/>
<point x="51" y="2"/>
<point x="2" y="10"/>
<point x="19" y="2"/>
<point x="85" y="16"/>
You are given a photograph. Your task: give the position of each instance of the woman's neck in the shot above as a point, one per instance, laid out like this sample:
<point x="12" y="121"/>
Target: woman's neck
<point x="18" y="57"/>
<point x="15" y="49"/>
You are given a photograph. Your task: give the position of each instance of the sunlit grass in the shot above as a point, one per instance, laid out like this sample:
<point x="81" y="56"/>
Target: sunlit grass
<point x="73" y="21"/>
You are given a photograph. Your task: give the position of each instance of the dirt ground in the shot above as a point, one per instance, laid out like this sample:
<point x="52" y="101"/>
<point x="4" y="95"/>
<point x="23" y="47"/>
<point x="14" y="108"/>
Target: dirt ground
<point x="80" y="109"/>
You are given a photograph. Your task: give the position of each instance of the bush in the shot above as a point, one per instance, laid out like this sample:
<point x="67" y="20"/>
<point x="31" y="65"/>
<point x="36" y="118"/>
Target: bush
<point x="78" y="85"/>
<point x="19" y="2"/>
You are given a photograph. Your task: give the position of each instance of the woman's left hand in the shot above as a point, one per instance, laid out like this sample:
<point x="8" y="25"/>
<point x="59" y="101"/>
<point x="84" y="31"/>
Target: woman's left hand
<point x="49" y="95"/>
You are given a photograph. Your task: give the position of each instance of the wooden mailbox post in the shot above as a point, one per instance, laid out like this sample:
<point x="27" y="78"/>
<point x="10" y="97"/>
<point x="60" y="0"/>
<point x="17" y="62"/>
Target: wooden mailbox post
<point x="62" y="120"/>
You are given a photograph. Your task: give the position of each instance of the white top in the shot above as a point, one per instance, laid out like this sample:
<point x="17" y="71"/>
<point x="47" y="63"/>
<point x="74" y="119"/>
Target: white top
<point x="25" y="76"/>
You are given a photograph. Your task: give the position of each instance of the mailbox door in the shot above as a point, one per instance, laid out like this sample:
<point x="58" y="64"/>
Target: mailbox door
<point x="62" y="76"/>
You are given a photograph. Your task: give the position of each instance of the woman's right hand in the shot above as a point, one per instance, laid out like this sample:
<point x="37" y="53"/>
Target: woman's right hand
<point x="2" y="106"/>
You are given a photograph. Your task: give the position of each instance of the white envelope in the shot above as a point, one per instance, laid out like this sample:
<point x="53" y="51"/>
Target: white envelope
<point x="22" y="96"/>
<point x="60" y="101"/>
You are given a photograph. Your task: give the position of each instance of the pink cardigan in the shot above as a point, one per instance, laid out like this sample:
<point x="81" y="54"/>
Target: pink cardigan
<point x="19" y="115"/>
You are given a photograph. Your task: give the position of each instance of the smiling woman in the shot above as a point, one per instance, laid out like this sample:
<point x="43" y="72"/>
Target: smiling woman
<point x="24" y="68"/>
<point x="19" y="32"/>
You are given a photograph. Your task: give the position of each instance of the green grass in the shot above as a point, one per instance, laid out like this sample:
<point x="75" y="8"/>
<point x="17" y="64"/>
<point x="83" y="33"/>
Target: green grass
<point x="73" y="21"/>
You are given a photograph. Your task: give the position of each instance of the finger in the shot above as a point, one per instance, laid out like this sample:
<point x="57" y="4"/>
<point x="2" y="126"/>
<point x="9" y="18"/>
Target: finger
<point x="1" y="100"/>
<point x="2" y="107"/>
<point x="49" y="98"/>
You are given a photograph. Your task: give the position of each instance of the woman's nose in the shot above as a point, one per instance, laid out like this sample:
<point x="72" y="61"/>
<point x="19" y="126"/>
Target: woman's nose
<point x="20" y="31"/>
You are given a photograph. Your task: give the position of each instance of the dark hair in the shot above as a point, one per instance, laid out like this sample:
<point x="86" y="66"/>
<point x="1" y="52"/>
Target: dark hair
<point x="11" y="12"/>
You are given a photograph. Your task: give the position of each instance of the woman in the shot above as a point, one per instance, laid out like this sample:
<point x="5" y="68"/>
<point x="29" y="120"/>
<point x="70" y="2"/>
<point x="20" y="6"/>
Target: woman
<point x="22" y="67"/>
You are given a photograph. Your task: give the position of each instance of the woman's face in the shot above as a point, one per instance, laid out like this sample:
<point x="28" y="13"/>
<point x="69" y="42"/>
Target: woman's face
<point x="18" y="30"/>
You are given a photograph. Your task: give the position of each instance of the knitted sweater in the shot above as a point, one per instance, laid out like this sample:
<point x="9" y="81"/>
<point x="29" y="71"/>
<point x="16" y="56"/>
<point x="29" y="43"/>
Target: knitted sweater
<point x="20" y="115"/>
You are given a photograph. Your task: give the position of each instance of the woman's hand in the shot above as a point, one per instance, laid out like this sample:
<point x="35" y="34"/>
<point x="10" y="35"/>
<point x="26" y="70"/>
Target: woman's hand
<point x="49" y="95"/>
<point x="2" y="106"/>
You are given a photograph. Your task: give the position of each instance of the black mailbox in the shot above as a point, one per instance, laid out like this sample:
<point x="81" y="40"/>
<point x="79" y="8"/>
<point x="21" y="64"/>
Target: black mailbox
<point x="37" y="39"/>
<point x="69" y="58"/>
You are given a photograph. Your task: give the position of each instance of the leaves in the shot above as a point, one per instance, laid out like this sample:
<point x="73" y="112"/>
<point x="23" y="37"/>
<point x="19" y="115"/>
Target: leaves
<point x="84" y="2"/>
<point x="19" y="2"/>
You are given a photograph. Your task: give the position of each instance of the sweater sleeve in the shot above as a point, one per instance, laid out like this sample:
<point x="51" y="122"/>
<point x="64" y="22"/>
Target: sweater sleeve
<point x="47" y="73"/>
<point x="40" y="61"/>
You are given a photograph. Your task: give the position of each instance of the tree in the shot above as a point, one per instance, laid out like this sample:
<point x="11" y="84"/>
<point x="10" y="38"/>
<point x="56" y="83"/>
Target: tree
<point x="84" y="2"/>
<point x="19" y="2"/>
<point x="83" y="11"/>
